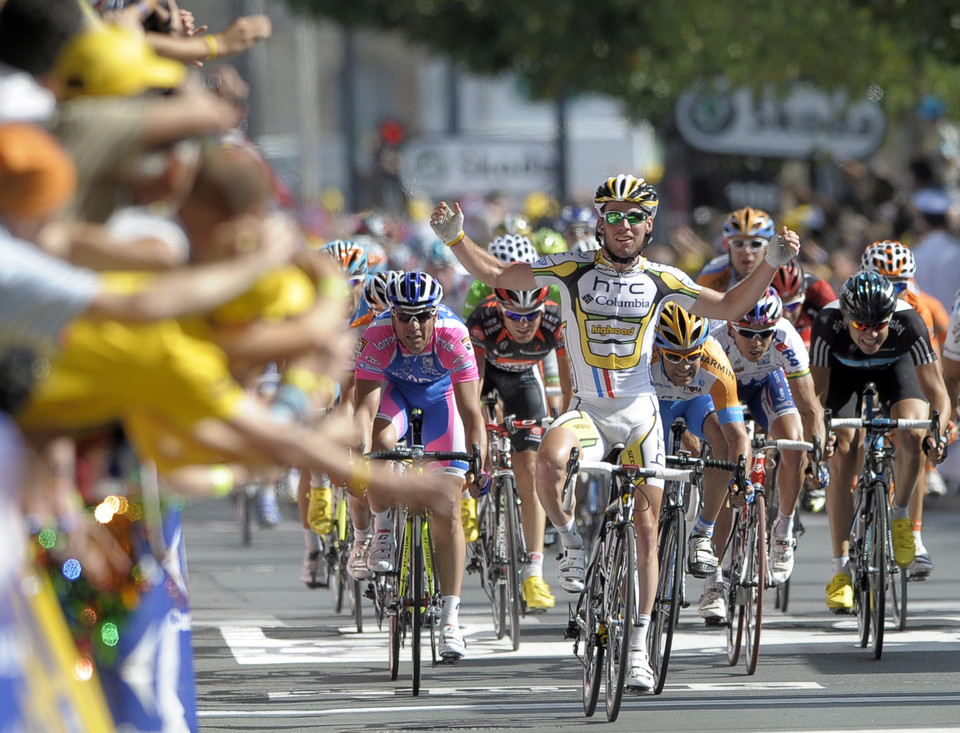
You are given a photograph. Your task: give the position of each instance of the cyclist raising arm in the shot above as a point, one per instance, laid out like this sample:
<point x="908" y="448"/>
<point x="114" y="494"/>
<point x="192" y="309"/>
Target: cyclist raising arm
<point x="419" y="354"/>
<point x="868" y="335"/>
<point x="610" y="299"/>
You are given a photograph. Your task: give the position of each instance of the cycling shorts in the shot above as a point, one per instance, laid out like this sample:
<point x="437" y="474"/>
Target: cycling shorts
<point x="768" y="399"/>
<point x="694" y="412"/>
<point x="601" y="423"/>
<point x="442" y="429"/>
<point x="895" y="382"/>
<point x="523" y="397"/>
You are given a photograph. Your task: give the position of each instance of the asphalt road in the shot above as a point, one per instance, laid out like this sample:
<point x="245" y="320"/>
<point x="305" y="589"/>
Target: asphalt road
<point x="271" y="655"/>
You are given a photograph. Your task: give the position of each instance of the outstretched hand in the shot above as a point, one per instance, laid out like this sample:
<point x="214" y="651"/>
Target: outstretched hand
<point x="783" y="247"/>
<point x="447" y="223"/>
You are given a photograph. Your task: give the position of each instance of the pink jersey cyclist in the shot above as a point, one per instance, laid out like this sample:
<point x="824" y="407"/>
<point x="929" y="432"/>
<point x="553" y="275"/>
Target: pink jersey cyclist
<point x="422" y="380"/>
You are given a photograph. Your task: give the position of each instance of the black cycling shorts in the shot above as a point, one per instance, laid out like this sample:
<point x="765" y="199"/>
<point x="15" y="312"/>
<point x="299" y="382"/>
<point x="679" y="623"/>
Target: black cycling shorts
<point x="523" y="397"/>
<point x="894" y="383"/>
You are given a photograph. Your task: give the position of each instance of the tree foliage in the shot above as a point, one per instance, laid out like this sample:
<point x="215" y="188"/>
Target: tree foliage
<point x="647" y="53"/>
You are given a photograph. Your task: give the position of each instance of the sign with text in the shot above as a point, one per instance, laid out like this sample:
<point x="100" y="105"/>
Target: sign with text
<point x="444" y="167"/>
<point x="804" y="122"/>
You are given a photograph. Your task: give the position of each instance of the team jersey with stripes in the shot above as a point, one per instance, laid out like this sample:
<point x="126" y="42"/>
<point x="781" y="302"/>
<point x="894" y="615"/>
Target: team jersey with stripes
<point x="609" y="317"/>
<point x="907" y="335"/>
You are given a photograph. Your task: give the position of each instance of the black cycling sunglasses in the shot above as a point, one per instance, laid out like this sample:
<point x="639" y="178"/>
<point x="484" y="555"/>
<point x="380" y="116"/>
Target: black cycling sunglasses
<point x="748" y="334"/>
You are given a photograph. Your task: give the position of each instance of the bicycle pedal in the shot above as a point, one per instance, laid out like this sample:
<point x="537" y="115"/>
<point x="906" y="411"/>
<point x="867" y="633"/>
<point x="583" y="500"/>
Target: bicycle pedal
<point x="572" y="631"/>
<point x="475" y="566"/>
<point x="450" y="660"/>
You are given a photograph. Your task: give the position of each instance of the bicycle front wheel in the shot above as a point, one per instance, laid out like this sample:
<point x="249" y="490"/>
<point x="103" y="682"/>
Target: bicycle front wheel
<point x="620" y="615"/>
<point x="897" y="583"/>
<point x="879" y="538"/>
<point x="735" y="591"/>
<point x="594" y="638"/>
<point x="416" y="603"/>
<point x="756" y="578"/>
<point x="666" y="609"/>
<point x="512" y="545"/>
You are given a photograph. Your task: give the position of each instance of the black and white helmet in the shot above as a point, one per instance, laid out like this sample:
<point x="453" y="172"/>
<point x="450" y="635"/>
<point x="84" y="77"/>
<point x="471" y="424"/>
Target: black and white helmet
<point x="512" y="248"/>
<point x="376" y="289"/>
<point x="521" y="301"/>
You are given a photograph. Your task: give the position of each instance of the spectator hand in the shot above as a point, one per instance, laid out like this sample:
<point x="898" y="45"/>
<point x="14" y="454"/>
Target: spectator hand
<point x="447" y="223"/>
<point x="243" y="33"/>
<point x="783" y="247"/>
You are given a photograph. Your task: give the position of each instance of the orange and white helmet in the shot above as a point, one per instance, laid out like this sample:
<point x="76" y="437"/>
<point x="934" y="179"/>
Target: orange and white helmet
<point x="748" y="223"/>
<point x="891" y="259"/>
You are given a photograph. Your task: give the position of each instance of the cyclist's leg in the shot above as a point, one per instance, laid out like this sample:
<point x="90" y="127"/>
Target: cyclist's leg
<point x="908" y="469"/>
<point x="391" y="422"/>
<point x="843" y="398"/>
<point x="573" y="429"/>
<point x="524" y="396"/>
<point x="644" y="447"/>
<point x="443" y="431"/>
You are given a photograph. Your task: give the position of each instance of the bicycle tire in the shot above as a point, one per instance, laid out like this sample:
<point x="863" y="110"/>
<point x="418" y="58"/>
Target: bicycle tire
<point x="757" y="577"/>
<point x="394" y="597"/>
<point x="666" y="609"/>
<point x="620" y="614"/>
<point x="243" y="516"/>
<point x="415" y="596"/>
<point x="782" y="598"/>
<point x="357" y="600"/>
<point x="593" y="640"/>
<point x="859" y="563"/>
<point x="897" y="580"/>
<point x="496" y="577"/>
<point x="878" y="566"/>
<point x="735" y="609"/>
<point x="514" y="595"/>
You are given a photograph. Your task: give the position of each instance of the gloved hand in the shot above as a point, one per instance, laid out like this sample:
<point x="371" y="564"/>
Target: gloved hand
<point x="783" y="247"/>
<point x="447" y="223"/>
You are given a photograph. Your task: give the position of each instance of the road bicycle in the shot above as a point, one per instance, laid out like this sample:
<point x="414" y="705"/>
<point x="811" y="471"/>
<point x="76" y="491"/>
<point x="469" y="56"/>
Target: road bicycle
<point x="672" y="547"/>
<point x="337" y="543"/>
<point x="764" y="470"/>
<point x="410" y="595"/>
<point x="606" y="612"/>
<point x="872" y="564"/>
<point x="501" y="550"/>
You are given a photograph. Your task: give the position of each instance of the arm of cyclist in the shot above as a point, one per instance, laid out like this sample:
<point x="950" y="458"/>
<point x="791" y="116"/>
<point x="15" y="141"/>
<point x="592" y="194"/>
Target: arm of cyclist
<point x="933" y="388"/>
<point x="566" y="382"/>
<point x="447" y="223"/>
<point x="474" y="427"/>
<point x="367" y="401"/>
<point x="821" y="385"/>
<point x="732" y="304"/>
<point x="951" y="379"/>
<point x="811" y="411"/>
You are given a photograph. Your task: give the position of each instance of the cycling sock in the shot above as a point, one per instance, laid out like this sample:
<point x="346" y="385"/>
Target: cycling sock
<point x="918" y="542"/>
<point x="533" y="567"/>
<point x="362" y="534"/>
<point x="450" y="613"/>
<point x="898" y="512"/>
<point x="917" y="526"/>
<point x="311" y="539"/>
<point x="638" y="642"/>
<point x="784" y="525"/>
<point x="703" y="527"/>
<point x="382" y="520"/>
<point x="841" y="565"/>
<point x="570" y="535"/>
<point x="715" y="579"/>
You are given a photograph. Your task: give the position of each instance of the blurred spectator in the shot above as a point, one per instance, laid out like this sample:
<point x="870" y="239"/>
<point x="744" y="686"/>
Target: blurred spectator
<point x="937" y="250"/>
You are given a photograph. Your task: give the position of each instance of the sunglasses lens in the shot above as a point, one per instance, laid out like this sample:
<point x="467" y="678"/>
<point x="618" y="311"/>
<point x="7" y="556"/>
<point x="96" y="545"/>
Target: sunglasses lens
<point x="522" y="317"/>
<point x="422" y="316"/>
<point x="793" y="306"/>
<point x="675" y="358"/>
<point x="633" y="217"/>
<point x="356" y="280"/>
<point x="754" y="245"/>
<point x="755" y="334"/>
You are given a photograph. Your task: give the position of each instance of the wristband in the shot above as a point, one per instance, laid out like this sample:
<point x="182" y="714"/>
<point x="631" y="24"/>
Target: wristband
<point x="457" y="240"/>
<point x="333" y="287"/>
<point x="221" y="479"/>
<point x="213" y="48"/>
<point x="302" y="378"/>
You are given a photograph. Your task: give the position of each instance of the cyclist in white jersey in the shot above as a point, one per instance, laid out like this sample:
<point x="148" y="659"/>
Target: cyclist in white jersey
<point x="610" y="302"/>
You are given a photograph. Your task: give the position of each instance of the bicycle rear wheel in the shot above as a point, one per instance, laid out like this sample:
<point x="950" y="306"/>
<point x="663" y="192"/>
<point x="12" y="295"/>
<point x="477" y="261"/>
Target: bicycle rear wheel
<point x="666" y="609"/>
<point x="756" y="579"/>
<point x="415" y="596"/>
<point x="897" y="583"/>
<point x="512" y="545"/>
<point x="620" y="615"/>
<point x="493" y="562"/>
<point x="879" y="537"/>
<point x="594" y="637"/>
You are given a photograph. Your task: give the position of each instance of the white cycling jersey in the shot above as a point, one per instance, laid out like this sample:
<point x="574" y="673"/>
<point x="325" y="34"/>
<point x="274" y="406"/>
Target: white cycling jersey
<point x="610" y="317"/>
<point x="786" y="352"/>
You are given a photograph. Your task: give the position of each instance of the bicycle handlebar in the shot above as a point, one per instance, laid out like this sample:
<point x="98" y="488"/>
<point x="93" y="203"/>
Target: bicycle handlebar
<point x="404" y="453"/>
<point x="512" y="425"/>
<point x="632" y="471"/>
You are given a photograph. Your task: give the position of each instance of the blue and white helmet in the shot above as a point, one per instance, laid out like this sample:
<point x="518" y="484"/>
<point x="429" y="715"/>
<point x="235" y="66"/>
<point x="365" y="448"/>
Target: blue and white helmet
<point x="414" y="291"/>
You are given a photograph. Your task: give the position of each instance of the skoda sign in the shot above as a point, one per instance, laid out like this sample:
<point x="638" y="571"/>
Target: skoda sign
<point x="804" y="122"/>
<point x="447" y="166"/>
